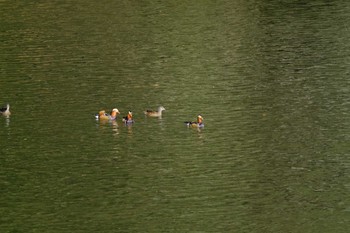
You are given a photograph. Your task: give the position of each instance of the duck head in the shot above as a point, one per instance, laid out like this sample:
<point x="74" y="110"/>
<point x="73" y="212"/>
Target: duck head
<point x="5" y="111"/>
<point x="102" y="113"/>
<point x="115" y="112"/>
<point x="200" y="119"/>
<point x="129" y="115"/>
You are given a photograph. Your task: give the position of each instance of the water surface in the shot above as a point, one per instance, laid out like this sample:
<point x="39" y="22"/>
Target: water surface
<point x="270" y="79"/>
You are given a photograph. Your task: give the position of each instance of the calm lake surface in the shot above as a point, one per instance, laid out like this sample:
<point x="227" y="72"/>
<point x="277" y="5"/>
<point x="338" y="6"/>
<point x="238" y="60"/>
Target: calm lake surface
<point x="270" y="79"/>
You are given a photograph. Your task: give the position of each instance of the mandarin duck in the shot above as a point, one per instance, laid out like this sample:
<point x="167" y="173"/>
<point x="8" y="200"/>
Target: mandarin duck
<point x="128" y="119"/>
<point x="196" y="124"/>
<point x="102" y="115"/>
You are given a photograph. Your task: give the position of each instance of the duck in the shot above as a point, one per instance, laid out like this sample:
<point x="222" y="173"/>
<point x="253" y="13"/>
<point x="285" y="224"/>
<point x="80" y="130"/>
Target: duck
<point x="128" y="119"/>
<point x="115" y="112"/>
<point x="196" y="124"/>
<point x="102" y="115"/>
<point x="5" y="111"/>
<point x="152" y="113"/>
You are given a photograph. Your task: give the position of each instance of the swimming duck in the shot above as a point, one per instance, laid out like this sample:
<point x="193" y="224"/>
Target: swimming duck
<point x="196" y="124"/>
<point x="128" y="119"/>
<point x="152" y="113"/>
<point x="102" y="115"/>
<point x="5" y="111"/>
<point x="115" y="112"/>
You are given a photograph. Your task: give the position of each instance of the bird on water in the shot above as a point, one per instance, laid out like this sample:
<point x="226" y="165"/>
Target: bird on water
<point x="5" y="111"/>
<point x="196" y="124"/>
<point x="152" y="113"/>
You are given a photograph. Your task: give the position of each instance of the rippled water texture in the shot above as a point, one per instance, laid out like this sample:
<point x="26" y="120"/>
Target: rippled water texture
<point x="271" y="80"/>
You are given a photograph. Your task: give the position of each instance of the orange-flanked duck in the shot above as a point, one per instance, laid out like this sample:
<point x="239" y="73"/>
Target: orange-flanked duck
<point x="115" y="112"/>
<point x="5" y="111"/>
<point x="128" y="119"/>
<point x="152" y="113"/>
<point x="196" y="124"/>
<point x="102" y="115"/>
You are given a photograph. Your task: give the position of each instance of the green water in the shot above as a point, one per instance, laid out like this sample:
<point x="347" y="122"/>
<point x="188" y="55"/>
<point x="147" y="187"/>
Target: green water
<point x="270" y="79"/>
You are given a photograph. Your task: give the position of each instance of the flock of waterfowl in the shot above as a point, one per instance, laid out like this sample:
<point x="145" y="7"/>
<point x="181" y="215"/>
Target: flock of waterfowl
<point x="128" y="119"/>
<point x="103" y="116"/>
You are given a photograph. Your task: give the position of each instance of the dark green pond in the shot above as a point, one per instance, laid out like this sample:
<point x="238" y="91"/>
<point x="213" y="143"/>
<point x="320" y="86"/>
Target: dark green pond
<point x="271" y="80"/>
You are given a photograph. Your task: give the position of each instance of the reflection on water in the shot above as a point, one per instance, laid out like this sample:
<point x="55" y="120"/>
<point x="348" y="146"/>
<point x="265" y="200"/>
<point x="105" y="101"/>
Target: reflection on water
<point x="7" y="121"/>
<point x="269" y="78"/>
<point x="115" y="127"/>
<point x="103" y="125"/>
